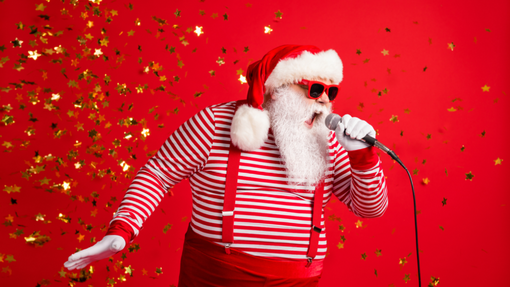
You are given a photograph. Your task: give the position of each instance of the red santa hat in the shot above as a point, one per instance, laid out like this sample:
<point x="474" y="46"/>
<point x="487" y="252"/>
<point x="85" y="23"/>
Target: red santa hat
<point x="287" y="64"/>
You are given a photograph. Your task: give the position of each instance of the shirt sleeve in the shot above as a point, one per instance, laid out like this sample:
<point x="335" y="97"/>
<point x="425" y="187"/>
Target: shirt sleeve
<point x="184" y="153"/>
<point x="359" y="181"/>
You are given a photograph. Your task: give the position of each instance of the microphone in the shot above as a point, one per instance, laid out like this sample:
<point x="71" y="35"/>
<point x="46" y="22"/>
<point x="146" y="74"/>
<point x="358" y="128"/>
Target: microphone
<point x="332" y="121"/>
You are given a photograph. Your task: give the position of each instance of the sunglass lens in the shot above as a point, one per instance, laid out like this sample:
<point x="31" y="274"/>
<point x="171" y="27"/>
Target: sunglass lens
<point x="332" y="93"/>
<point x="316" y="90"/>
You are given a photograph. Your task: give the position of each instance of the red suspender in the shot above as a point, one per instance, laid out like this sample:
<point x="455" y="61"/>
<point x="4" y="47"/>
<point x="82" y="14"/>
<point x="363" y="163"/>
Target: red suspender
<point x="316" y="223"/>
<point x="229" y="200"/>
<point x="234" y="157"/>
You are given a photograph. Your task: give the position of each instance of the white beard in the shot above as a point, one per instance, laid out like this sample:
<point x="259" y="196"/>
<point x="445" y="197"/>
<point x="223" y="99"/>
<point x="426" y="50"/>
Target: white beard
<point x="305" y="151"/>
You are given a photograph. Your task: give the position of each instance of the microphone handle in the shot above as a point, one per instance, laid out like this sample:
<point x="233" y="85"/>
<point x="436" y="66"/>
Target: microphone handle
<point x="372" y="141"/>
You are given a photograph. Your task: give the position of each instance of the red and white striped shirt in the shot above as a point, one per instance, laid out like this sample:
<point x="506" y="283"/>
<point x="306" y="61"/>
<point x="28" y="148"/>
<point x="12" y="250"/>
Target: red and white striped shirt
<point x="271" y="220"/>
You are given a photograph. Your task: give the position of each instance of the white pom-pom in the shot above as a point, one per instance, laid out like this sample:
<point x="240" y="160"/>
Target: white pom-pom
<point x="249" y="128"/>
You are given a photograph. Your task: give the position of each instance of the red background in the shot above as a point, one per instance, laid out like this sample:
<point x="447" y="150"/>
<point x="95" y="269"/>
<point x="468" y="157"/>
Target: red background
<point x="463" y="242"/>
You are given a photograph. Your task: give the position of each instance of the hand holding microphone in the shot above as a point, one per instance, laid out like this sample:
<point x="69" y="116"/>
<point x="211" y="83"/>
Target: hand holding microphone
<point x="361" y="134"/>
<point x="350" y="131"/>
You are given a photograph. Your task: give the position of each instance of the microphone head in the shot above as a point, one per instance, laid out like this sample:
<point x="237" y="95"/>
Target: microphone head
<point x="332" y="121"/>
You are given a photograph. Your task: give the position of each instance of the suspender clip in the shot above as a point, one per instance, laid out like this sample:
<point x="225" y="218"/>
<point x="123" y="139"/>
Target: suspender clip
<point x="317" y="229"/>
<point x="227" y="248"/>
<point x="309" y="259"/>
<point x="227" y="213"/>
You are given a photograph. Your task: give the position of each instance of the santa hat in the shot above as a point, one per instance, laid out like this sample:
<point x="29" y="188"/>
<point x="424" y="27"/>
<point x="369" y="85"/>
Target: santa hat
<point x="287" y="64"/>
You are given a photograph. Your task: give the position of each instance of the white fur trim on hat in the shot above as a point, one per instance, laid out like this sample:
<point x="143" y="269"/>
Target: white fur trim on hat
<point x="250" y="127"/>
<point x="325" y="64"/>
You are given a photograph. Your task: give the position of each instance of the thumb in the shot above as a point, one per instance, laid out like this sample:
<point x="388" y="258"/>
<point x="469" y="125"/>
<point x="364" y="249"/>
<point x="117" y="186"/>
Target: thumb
<point x="118" y="244"/>
<point x="340" y="129"/>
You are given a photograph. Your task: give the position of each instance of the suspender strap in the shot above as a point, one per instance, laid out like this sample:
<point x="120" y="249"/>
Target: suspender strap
<point x="229" y="200"/>
<point x="316" y="223"/>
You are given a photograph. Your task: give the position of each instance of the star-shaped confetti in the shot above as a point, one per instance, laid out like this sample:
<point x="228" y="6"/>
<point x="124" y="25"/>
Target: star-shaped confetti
<point x="385" y="52"/>
<point x="444" y="201"/>
<point x="267" y="29"/>
<point x="498" y="161"/>
<point x="485" y="88"/>
<point x="426" y="181"/>
<point x="469" y="176"/>
<point x="433" y="281"/>
<point x="16" y="43"/>
<point x="394" y="119"/>
<point x="40" y="7"/>
<point x="278" y="14"/>
<point x="220" y="61"/>
<point x="451" y="46"/>
<point x="198" y="30"/>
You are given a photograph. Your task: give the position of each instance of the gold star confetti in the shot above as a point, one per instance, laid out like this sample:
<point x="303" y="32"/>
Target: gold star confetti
<point x="10" y="258"/>
<point x="242" y="79"/>
<point x="40" y="7"/>
<point x="267" y="29"/>
<point x="358" y="223"/>
<point x="407" y="277"/>
<point x="13" y="188"/>
<point x="402" y="261"/>
<point x="220" y="61"/>
<point x="33" y="55"/>
<point x="16" y="43"/>
<point x="159" y="270"/>
<point x="340" y="245"/>
<point x="364" y="256"/>
<point x="394" y="119"/>
<point x="451" y="46"/>
<point x="198" y="30"/>
<point x="469" y="176"/>
<point x="498" y="161"/>
<point x="426" y="181"/>
<point x="385" y="52"/>
<point x="98" y="52"/>
<point x="485" y="88"/>
<point x="378" y="252"/>
<point x="433" y="281"/>
<point x="278" y="14"/>
<point x="452" y="109"/>
<point x="444" y="201"/>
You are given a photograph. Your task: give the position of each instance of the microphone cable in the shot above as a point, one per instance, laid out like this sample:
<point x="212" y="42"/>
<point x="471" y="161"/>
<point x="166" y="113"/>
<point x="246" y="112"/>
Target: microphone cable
<point x="395" y="157"/>
<point x="332" y="121"/>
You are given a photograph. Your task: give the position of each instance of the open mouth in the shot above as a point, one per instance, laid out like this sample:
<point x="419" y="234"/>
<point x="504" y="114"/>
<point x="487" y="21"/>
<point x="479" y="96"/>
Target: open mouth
<point x="310" y="121"/>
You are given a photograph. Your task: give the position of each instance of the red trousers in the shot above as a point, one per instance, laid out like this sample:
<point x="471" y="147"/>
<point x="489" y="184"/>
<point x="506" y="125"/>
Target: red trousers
<point x="205" y="263"/>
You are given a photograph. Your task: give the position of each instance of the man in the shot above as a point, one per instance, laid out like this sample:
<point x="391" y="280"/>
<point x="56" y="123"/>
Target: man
<point x="261" y="171"/>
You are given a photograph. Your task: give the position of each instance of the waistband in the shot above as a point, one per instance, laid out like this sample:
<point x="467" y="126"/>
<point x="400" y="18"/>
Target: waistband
<point x="268" y="267"/>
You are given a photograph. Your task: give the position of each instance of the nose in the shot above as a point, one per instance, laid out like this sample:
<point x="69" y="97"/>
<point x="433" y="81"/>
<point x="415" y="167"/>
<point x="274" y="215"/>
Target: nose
<point x="323" y="99"/>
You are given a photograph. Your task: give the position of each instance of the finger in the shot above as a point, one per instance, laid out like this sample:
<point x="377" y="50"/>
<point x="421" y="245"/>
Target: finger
<point x="357" y="129"/>
<point x="340" y="129"/>
<point x="345" y="120"/>
<point x="363" y="132"/>
<point x="74" y="264"/>
<point x="352" y="123"/>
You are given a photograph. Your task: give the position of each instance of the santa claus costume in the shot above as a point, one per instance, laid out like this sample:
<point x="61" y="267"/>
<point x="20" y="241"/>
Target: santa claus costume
<point x="257" y="215"/>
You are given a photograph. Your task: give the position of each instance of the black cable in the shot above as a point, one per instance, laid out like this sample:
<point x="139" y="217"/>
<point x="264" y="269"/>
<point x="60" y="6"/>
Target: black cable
<point x="395" y="157"/>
